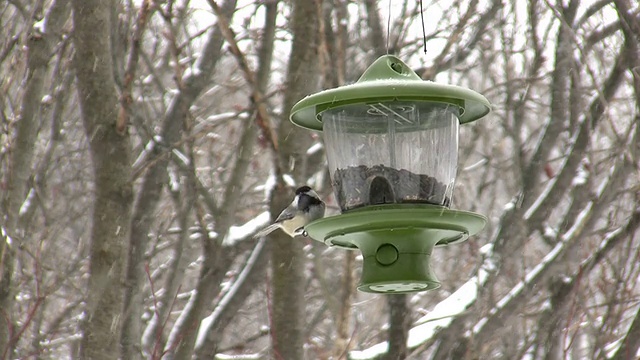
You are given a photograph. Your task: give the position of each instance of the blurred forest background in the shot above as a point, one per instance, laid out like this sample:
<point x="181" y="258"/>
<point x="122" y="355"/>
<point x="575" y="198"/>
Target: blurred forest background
<point x="142" y="143"/>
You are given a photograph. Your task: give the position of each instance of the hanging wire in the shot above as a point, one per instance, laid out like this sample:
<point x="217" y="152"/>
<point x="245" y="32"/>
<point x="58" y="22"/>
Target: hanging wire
<point x="389" y="25"/>
<point x="424" y="32"/>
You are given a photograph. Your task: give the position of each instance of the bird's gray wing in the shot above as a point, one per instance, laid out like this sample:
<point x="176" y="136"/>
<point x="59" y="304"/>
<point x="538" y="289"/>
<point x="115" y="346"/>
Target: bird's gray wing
<point x="286" y="214"/>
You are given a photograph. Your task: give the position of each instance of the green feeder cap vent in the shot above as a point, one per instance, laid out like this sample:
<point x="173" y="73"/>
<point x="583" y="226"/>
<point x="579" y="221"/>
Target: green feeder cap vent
<point x="389" y="79"/>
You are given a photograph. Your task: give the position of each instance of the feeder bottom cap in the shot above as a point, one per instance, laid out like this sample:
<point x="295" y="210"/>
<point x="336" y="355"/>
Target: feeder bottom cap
<point x="401" y="287"/>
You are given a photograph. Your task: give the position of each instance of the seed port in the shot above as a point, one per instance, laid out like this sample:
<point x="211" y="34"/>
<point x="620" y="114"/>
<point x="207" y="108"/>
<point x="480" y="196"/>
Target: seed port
<point x="397" y="67"/>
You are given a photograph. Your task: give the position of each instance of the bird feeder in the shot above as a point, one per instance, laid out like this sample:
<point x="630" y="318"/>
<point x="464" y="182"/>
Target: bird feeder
<point x="391" y="141"/>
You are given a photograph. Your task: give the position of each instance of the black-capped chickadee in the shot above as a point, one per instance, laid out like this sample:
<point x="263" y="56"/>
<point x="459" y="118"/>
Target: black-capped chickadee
<point x="305" y="208"/>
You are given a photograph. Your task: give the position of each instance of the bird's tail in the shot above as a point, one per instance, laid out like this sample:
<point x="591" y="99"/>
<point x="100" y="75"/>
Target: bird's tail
<point x="266" y="231"/>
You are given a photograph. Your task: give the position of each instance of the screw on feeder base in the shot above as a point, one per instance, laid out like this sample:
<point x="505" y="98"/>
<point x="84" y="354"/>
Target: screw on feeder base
<point x="386" y="254"/>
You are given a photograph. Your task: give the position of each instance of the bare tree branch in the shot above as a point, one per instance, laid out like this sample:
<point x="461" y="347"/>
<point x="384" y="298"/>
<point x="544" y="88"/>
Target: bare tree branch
<point x="155" y="178"/>
<point x="132" y="63"/>
<point x="263" y="118"/>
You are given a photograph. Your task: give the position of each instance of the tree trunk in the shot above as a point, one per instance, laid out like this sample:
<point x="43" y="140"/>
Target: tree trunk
<point x="348" y="285"/>
<point x="110" y="154"/>
<point x="287" y="257"/>
<point x="398" y="326"/>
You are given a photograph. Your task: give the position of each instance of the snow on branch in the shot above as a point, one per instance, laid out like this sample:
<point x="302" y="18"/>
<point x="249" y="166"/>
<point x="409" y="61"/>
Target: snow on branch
<point x="6" y="236"/>
<point x="26" y="205"/>
<point x="517" y="291"/>
<point x="314" y="148"/>
<point x="182" y="157"/>
<point x="207" y="322"/>
<point x="174" y="335"/>
<point x="246" y="231"/>
<point x="508" y="303"/>
<point x="239" y="357"/>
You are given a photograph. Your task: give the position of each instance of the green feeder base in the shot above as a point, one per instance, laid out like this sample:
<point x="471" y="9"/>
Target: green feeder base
<point x="396" y="242"/>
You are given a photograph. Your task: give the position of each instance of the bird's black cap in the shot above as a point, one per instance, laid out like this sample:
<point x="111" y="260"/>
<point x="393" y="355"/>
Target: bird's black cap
<point x="302" y="189"/>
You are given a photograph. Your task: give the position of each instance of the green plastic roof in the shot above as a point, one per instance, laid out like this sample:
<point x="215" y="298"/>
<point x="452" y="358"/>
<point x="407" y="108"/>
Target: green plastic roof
<point x="388" y="79"/>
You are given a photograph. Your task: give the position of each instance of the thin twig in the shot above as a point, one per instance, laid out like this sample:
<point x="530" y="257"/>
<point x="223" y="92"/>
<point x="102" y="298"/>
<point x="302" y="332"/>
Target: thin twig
<point x="262" y="118"/>
<point x="132" y="63"/>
